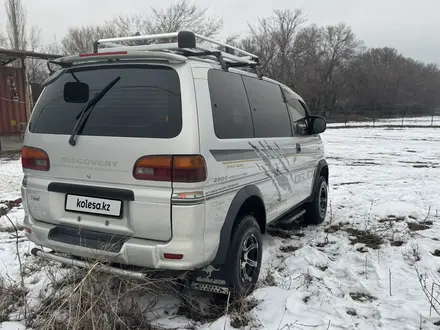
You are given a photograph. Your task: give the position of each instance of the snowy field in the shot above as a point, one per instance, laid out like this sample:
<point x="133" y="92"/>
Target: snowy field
<point x="356" y="271"/>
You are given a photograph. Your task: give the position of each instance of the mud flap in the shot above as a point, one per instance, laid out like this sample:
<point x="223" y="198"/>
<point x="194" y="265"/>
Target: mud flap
<point x="211" y="278"/>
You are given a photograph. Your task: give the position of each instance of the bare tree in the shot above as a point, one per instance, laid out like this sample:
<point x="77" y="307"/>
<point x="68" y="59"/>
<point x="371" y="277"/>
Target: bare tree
<point x="272" y="39"/>
<point x="373" y="79"/>
<point x="16" y="24"/>
<point x="3" y="40"/>
<point x="308" y="64"/>
<point x="340" y="45"/>
<point x="179" y="16"/>
<point x="327" y="65"/>
<point x="36" y="70"/>
<point x="131" y="24"/>
<point x="54" y="47"/>
<point x="323" y="55"/>
<point x="185" y="16"/>
<point x="81" y="39"/>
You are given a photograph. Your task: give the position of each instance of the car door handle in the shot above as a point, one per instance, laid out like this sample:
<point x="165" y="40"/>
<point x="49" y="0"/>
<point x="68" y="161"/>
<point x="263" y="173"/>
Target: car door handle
<point x="298" y="148"/>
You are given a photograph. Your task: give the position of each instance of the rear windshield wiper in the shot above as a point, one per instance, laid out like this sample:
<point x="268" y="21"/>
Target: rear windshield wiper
<point x="84" y="114"/>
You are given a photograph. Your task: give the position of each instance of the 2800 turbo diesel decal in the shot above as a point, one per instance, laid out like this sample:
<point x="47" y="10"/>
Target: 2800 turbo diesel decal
<point x="93" y="205"/>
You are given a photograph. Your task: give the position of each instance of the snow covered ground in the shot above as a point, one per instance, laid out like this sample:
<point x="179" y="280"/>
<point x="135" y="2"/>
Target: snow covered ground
<point x="356" y="271"/>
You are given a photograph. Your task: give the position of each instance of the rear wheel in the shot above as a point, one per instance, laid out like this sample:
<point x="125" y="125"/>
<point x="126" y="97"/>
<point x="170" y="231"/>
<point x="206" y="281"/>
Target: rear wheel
<point x="316" y="211"/>
<point x="245" y="254"/>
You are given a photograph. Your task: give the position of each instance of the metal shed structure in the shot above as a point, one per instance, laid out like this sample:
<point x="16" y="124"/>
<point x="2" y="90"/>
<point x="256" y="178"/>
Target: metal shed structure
<point x="15" y="92"/>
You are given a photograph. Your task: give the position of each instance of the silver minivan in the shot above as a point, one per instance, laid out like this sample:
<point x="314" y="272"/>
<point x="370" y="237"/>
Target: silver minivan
<point x="172" y="155"/>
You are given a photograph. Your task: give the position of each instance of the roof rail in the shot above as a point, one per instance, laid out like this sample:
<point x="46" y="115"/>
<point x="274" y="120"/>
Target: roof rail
<point x="185" y="43"/>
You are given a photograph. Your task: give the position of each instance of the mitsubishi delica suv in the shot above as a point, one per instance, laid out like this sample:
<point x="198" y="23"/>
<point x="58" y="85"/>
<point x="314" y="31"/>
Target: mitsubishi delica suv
<point x="169" y="152"/>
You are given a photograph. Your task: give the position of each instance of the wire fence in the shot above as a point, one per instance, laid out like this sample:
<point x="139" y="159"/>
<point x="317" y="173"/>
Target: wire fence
<point x="383" y="118"/>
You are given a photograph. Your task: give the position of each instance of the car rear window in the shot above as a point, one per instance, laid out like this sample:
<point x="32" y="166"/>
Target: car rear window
<point x="145" y="103"/>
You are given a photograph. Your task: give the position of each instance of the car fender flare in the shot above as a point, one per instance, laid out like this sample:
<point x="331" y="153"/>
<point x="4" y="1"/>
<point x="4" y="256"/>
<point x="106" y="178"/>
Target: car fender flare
<point x="321" y="165"/>
<point x="225" y="233"/>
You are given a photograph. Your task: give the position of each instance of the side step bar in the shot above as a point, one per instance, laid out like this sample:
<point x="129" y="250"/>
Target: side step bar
<point x="73" y="262"/>
<point x="291" y="217"/>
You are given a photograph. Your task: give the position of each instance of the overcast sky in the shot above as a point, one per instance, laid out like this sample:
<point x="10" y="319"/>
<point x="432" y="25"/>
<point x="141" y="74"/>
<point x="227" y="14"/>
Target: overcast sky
<point x="411" y="26"/>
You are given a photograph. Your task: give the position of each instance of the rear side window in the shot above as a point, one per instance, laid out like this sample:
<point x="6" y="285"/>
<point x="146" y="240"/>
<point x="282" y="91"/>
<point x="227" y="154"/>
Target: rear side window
<point x="230" y="107"/>
<point x="269" y="111"/>
<point x="144" y="103"/>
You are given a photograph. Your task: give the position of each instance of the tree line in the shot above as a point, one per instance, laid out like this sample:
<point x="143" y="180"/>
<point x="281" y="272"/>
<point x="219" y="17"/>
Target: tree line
<point x="329" y="66"/>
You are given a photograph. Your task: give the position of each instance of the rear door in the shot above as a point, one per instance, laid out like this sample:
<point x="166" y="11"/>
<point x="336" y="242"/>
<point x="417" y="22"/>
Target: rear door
<point x="139" y="120"/>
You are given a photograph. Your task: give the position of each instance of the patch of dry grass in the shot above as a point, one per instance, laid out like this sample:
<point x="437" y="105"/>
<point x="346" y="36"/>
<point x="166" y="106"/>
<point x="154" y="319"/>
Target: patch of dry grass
<point x="362" y="297"/>
<point x="10" y="229"/>
<point x="369" y="238"/>
<point x="241" y="313"/>
<point x="288" y="248"/>
<point x="88" y="299"/>
<point x="11" y="297"/>
<point x="416" y="226"/>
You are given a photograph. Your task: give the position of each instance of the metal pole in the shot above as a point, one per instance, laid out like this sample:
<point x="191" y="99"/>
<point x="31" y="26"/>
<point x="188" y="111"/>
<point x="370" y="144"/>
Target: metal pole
<point x="26" y="89"/>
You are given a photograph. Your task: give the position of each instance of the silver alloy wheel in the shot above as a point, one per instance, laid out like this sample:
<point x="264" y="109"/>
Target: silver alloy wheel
<point x="322" y="199"/>
<point x="249" y="258"/>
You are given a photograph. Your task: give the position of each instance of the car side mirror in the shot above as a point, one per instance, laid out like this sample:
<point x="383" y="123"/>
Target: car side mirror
<point x="318" y="125"/>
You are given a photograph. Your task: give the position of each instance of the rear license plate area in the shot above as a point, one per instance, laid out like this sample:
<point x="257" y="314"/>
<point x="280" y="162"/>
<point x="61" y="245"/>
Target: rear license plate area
<point x="93" y="205"/>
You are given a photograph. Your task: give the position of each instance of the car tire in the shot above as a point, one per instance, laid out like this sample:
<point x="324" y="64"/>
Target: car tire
<point x="316" y="210"/>
<point x="245" y="254"/>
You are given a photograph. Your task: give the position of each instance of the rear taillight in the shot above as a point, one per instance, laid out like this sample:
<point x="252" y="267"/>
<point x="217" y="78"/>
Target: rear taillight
<point x="189" y="169"/>
<point x="171" y="168"/>
<point x="154" y="168"/>
<point x="34" y="159"/>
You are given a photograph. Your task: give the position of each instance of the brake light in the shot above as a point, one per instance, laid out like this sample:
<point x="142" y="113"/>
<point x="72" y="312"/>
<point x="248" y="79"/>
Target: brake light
<point x="103" y="54"/>
<point x="34" y="159"/>
<point x="154" y="168"/>
<point x="170" y="168"/>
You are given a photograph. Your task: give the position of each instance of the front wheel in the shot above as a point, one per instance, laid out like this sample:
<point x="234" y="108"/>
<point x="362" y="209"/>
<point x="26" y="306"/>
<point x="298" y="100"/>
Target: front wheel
<point x="245" y="254"/>
<point x="316" y="211"/>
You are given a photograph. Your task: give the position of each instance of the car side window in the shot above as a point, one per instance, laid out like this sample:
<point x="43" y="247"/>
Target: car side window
<point x="269" y="112"/>
<point x="230" y="107"/>
<point x="297" y="112"/>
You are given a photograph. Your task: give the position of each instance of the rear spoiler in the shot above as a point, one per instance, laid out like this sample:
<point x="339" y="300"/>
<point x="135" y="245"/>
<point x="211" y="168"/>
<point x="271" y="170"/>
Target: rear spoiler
<point x="69" y="61"/>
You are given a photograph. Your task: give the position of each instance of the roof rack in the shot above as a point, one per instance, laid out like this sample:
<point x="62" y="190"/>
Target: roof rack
<point x="187" y="44"/>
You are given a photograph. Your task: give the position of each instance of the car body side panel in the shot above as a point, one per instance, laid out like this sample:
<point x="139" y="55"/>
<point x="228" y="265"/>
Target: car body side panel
<point x="273" y="165"/>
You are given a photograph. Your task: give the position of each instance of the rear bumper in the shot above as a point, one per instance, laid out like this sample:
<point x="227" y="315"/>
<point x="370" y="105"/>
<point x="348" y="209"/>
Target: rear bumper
<point x="134" y="252"/>
<point x="106" y="269"/>
<point x="189" y="238"/>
